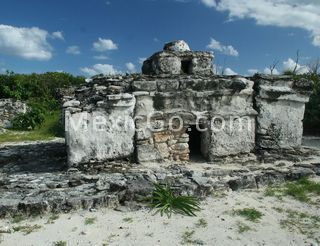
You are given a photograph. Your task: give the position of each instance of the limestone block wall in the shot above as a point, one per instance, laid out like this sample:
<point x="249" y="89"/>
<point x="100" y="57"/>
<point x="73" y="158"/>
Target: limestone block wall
<point x="280" y="102"/>
<point x="157" y="117"/>
<point x="9" y="108"/>
<point x="163" y="105"/>
<point x="237" y="138"/>
<point x="103" y="133"/>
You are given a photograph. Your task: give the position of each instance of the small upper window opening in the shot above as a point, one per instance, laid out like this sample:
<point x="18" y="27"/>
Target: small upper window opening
<point x="185" y="66"/>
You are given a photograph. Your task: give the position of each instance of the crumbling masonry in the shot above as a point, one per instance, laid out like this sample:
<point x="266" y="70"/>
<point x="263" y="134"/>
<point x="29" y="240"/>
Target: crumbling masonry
<point x="178" y="109"/>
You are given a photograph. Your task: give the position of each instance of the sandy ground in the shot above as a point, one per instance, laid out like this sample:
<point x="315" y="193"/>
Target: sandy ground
<point x="220" y="226"/>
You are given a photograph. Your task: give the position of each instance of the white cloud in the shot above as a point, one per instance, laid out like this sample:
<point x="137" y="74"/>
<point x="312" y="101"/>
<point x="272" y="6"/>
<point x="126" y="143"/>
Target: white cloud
<point x="268" y="71"/>
<point x="225" y="49"/>
<point x="58" y="35"/>
<point x="141" y="60"/>
<point x="209" y="3"/>
<point x="290" y="65"/>
<point x="252" y="71"/>
<point x="304" y="14"/>
<point x="104" y="45"/>
<point x="131" y="67"/>
<point x="28" y="43"/>
<point x="229" y="71"/>
<point x="73" y="50"/>
<point x="100" y="68"/>
<point x="316" y="40"/>
<point x="101" y="57"/>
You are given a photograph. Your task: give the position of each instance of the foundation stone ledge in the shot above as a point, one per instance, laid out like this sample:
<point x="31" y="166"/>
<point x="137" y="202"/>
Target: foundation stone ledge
<point x="118" y="183"/>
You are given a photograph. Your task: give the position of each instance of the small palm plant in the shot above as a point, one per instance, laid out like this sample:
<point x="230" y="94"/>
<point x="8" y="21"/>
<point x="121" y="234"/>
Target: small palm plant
<point x="165" y="202"/>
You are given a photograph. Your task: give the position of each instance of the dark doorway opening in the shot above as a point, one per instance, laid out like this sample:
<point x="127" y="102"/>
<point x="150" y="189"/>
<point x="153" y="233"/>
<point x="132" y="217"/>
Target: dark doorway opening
<point x="195" y="143"/>
<point x="185" y="66"/>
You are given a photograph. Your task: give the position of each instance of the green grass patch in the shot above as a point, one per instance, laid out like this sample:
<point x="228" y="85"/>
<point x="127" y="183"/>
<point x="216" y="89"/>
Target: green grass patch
<point x="128" y="219"/>
<point x="303" y="223"/>
<point x="52" y="218"/>
<point x="299" y="190"/>
<point x="250" y="214"/>
<point x="187" y="237"/>
<point x="278" y="209"/>
<point x="242" y="227"/>
<point x="18" y="218"/>
<point x="50" y="129"/>
<point x="302" y="188"/>
<point x="26" y="229"/>
<point x="201" y="223"/>
<point x="60" y="243"/>
<point x="90" y="221"/>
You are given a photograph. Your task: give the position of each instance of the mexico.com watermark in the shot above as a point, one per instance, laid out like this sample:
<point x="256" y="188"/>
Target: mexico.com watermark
<point x="155" y="122"/>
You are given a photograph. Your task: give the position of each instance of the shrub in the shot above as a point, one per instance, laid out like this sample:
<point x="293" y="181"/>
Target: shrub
<point x="30" y="120"/>
<point x="39" y="91"/>
<point x="165" y="202"/>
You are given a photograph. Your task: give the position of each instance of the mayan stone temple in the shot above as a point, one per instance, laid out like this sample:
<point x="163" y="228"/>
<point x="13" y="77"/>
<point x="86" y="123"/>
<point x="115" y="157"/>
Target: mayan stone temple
<point x="176" y="123"/>
<point x="179" y="110"/>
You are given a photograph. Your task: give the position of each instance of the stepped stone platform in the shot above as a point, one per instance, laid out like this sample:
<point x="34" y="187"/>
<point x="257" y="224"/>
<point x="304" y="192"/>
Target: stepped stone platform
<point x="35" y="179"/>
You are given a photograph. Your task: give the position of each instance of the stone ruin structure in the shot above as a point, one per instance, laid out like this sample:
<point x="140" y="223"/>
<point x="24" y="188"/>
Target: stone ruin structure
<point x="238" y="133"/>
<point x="179" y="110"/>
<point x="9" y="108"/>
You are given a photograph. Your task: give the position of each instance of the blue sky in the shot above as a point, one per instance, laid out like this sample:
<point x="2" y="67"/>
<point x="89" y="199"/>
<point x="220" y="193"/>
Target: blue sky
<point x="86" y="37"/>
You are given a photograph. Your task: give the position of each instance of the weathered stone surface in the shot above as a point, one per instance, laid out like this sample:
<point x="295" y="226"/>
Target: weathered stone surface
<point x="9" y="108"/>
<point x="236" y="136"/>
<point x="163" y="149"/>
<point x="33" y="191"/>
<point x="147" y="153"/>
<point x="178" y="45"/>
<point x="72" y="103"/>
<point x="101" y="135"/>
<point x="178" y="59"/>
<point x="160" y="137"/>
<point x="144" y="85"/>
<point x="280" y="102"/>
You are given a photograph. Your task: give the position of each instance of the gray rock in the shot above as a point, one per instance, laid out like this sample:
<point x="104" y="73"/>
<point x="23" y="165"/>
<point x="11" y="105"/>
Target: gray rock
<point x="72" y="103"/>
<point x="178" y="45"/>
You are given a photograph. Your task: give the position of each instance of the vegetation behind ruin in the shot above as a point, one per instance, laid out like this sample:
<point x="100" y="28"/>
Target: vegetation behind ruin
<point x="312" y="113"/>
<point x="40" y="92"/>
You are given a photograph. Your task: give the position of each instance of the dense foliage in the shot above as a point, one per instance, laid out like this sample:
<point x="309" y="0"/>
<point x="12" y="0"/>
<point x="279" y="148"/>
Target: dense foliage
<point x="28" y="121"/>
<point x="39" y="91"/>
<point x="35" y="87"/>
<point x="312" y="114"/>
<point x="311" y="122"/>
